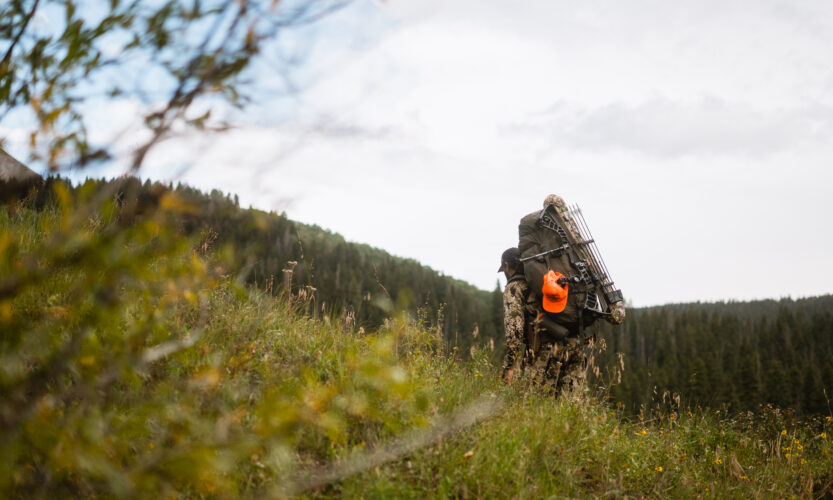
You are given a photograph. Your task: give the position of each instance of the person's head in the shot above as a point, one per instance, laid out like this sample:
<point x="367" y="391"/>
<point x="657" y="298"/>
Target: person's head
<point x="510" y="262"/>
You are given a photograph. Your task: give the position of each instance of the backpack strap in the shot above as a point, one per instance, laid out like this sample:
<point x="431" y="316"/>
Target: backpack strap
<point x="516" y="277"/>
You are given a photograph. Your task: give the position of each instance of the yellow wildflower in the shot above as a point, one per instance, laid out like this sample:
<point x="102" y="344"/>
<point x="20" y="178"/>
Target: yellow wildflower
<point x="478" y="374"/>
<point x="824" y="435"/>
<point x="718" y="461"/>
<point x="673" y="416"/>
<point x="784" y="432"/>
<point x="799" y="447"/>
<point x="744" y="478"/>
<point x="796" y="441"/>
<point x="658" y="468"/>
<point x="643" y="432"/>
<point x="787" y="455"/>
<point x="803" y="461"/>
<point x="829" y="419"/>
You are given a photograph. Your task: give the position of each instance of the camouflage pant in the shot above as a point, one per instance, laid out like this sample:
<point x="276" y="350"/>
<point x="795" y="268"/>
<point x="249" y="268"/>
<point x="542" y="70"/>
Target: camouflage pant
<point x="559" y="367"/>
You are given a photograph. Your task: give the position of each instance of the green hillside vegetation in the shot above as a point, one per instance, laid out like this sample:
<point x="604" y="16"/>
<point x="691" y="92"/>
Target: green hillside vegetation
<point x="138" y="363"/>
<point x="346" y="278"/>
<point x="735" y="355"/>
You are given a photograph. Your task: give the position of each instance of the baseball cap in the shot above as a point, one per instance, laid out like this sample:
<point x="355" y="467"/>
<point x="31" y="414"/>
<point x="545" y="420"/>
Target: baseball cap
<point x="510" y="255"/>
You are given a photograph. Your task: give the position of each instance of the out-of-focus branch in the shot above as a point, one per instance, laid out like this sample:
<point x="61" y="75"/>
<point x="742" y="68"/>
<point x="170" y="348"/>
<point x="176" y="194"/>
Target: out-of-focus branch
<point x="7" y="58"/>
<point x="482" y="408"/>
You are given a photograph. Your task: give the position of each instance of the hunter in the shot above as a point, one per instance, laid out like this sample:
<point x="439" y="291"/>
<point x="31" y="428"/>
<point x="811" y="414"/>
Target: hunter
<point x="557" y="286"/>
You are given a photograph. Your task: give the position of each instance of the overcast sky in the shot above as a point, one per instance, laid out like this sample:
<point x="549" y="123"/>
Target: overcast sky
<point x="696" y="136"/>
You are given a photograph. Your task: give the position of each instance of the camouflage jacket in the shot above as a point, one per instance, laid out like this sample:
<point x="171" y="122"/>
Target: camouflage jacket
<point x="514" y="319"/>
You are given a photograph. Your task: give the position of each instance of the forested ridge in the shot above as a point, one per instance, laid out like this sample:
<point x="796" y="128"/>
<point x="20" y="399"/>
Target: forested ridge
<point x="736" y="354"/>
<point x="740" y="354"/>
<point x="344" y="278"/>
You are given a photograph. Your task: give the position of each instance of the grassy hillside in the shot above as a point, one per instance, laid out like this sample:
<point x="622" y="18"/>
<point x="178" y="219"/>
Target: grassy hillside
<point x="135" y="363"/>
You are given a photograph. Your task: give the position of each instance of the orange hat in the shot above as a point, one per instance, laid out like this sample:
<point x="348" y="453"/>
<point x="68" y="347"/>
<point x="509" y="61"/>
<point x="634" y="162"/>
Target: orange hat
<point x="554" y="295"/>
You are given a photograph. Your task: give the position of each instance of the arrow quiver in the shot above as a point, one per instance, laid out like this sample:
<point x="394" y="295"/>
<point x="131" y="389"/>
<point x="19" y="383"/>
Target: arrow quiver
<point x="558" y="238"/>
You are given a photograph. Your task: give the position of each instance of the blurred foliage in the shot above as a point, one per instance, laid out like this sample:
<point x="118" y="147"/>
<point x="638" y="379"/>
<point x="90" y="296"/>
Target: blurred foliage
<point x="178" y="58"/>
<point x="133" y="363"/>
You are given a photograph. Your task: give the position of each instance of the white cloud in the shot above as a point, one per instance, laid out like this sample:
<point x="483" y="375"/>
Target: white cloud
<point x="709" y="126"/>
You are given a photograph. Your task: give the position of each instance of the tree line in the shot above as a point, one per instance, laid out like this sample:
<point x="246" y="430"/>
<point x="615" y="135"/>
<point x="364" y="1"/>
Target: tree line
<point x="736" y="354"/>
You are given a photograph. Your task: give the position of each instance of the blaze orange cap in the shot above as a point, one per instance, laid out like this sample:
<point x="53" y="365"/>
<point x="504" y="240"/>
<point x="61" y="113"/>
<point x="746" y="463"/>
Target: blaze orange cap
<point x="554" y="295"/>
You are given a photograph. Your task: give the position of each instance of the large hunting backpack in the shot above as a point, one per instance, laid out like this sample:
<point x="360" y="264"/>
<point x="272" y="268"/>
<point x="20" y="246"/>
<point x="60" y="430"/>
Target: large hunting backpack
<point x="557" y="238"/>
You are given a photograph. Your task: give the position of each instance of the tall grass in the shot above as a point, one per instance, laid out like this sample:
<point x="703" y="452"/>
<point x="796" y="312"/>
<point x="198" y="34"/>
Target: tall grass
<point x="540" y="447"/>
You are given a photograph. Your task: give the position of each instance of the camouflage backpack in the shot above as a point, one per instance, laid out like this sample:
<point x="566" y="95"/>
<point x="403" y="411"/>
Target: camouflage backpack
<point x="558" y="239"/>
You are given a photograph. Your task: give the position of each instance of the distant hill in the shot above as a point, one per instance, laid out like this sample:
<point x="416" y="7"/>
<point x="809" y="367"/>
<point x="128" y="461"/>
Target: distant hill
<point x="740" y="354"/>
<point x="15" y="177"/>
<point x="13" y="170"/>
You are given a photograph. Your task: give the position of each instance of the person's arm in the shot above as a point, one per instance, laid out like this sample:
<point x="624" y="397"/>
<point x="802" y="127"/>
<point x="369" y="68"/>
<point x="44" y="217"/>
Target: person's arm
<point x="513" y="324"/>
